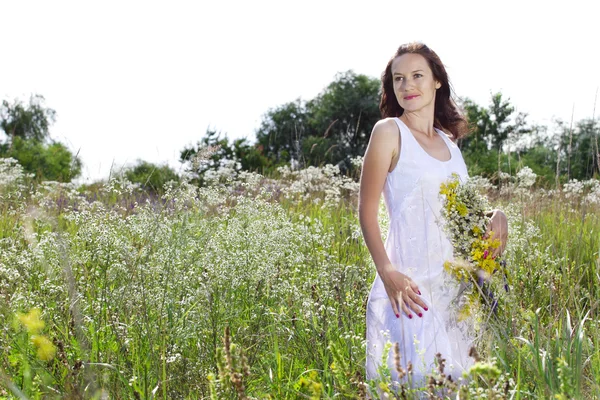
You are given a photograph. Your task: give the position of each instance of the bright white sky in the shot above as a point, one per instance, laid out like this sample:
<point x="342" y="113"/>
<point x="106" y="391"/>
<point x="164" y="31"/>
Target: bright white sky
<point x="143" y="79"/>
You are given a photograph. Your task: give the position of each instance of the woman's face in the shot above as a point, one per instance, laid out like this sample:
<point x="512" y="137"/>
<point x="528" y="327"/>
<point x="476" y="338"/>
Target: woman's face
<point x="414" y="83"/>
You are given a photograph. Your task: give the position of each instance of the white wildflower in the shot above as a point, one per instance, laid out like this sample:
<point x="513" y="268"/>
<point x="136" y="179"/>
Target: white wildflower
<point x="526" y="177"/>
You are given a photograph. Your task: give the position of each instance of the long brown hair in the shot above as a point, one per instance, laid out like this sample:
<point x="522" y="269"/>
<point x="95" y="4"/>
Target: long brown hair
<point x="446" y="115"/>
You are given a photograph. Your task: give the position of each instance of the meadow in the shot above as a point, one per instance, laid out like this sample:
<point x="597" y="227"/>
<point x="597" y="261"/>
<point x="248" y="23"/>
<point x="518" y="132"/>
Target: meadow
<point x="256" y="287"/>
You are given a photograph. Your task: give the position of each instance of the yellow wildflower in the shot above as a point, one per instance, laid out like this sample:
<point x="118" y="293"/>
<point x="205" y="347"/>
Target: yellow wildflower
<point x="462" y="210"/>
<point x="45" y="348"/>
<point x="477" y="254"/>
<point x="34" y="325"/>
<point x="32" y="321"/>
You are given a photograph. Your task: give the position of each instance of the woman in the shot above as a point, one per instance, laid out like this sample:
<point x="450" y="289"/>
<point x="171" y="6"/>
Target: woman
<point x="412" y="150"/>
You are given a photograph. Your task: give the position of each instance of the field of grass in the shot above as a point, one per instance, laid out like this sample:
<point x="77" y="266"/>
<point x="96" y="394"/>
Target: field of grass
<point x="255" y="287"/>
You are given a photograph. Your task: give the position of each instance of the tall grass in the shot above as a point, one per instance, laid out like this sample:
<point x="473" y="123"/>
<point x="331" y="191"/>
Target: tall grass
<point x="256" y="288"/>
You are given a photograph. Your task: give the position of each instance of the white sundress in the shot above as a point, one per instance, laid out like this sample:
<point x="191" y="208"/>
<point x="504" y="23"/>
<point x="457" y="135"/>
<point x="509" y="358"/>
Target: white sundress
<point x="418" y="247"/>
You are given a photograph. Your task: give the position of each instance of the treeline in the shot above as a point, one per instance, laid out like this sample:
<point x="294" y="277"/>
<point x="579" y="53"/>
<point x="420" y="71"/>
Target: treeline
<point x="332" y="128"/>
<point x="335" y="127"/>
<point x="27" y="139"/>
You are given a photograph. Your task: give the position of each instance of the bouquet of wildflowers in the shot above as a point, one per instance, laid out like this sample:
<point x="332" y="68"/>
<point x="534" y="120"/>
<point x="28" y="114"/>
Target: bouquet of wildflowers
<point x="464" y="213"/>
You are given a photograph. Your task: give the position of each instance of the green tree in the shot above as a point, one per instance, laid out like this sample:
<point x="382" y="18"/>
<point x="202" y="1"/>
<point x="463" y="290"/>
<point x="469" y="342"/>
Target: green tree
<point x="474" y="147"/>
<point x="27" y="129"/>
<point x="333" y="127"/>
<point x="47" y="161"/>
<point x="346" y="112"/>
<point x="213" y="150"/>
<point x="211" y="139"/>
<point x="27" y="121"/>
<point x="151" y="177"/>
<point x="499" y="127"/>
<point x="542" y="160"/>
<point x="538" y="149"/>
<point x="583" y="161"/>
<point x="493" y="131"/>
<point x="250" y="156"/>
<point x="281" y="131"/>
<point x="492" y="126"/>
<point x="317" y="150"/>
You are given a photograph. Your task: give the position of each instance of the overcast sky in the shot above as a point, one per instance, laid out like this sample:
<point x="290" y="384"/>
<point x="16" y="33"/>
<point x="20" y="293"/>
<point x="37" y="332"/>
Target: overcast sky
<point x="142" y="79"/>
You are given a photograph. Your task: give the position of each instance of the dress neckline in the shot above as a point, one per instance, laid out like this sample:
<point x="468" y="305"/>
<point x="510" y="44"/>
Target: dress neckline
<point x="425" y="151"/>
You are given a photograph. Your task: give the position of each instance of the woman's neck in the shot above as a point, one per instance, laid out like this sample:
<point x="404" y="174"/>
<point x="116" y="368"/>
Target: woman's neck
<point x="418" y="123"/>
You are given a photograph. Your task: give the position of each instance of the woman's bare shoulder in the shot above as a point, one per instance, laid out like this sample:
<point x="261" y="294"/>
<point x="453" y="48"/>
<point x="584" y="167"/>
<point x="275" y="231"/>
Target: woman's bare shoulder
<point x="385" y="129"/>
<point x="384" y="141"/>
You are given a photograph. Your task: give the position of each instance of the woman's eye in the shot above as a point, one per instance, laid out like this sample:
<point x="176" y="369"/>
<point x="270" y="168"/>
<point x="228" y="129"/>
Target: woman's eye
<point x="398" y="78"/>
<point x="418" y="75"/>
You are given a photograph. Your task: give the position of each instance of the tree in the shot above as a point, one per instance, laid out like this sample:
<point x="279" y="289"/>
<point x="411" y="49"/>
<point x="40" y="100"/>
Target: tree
<point x="346" y="112"/>
<point x="493" y="126"/>
<point x="212" y="139"/>
<point x="47" y="161"/>
<point x="27" y="127"/>
<point x="151" y="177"/>
<point x="493" y="131"/>
<point x="331" y="128"/>
<point x="583" y="161"/>
<point x="499" y="126"/>
<point x="214" y="150"/>
<point x="250" y="156"/>
<point x="281" y="131"/>
<point x="30" y="121"/>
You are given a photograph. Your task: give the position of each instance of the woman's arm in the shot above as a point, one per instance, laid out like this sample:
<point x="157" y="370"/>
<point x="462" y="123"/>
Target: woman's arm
<point x="383" y="147"/>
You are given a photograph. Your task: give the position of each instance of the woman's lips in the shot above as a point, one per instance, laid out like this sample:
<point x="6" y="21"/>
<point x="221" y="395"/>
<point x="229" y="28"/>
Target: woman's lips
<point x="411" y="97"/>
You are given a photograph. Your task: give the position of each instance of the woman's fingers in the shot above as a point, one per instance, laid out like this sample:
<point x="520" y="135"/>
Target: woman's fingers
<point x="498" y="226"/>
<point x="395" y="306"/>
<point x="398" y="305"/>
<point x="415" y="287"/>
<point x="414" y="307"/>
<point x="403" y="304"/>
<point x="417" y="300"/>
<point x="416" y="304"/>
<point x="404" y="296"/>
<point x="408" y="306"/>
<point x="404" y="308"/>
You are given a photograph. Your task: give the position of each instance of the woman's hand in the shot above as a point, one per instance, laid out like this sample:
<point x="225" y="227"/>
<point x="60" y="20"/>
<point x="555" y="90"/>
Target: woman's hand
<point x="499" y="226"/>
<point x="403" y="293"/>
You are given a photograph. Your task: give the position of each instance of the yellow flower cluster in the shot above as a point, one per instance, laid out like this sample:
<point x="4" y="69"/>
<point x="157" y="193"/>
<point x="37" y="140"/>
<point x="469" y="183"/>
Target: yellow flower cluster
<point x="32" y="321"/>
<point x="310" y="384"/>
<point x="448" y="189"/>
<point x="459" y="271"/>
<point x="481" y="251"/>
<point x="34" y="325"/>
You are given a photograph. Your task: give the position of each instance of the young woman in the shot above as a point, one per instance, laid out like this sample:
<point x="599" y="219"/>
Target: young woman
<point x="412" y="150"/>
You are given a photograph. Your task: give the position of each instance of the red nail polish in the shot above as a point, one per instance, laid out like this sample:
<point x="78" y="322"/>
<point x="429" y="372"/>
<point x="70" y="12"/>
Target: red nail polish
<point x="426" y="309"/>
<point x="420" y="315"/>
<point x="410" y="316"/>
<point x="397" y="315"/>
<point x="419" y="291"/>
